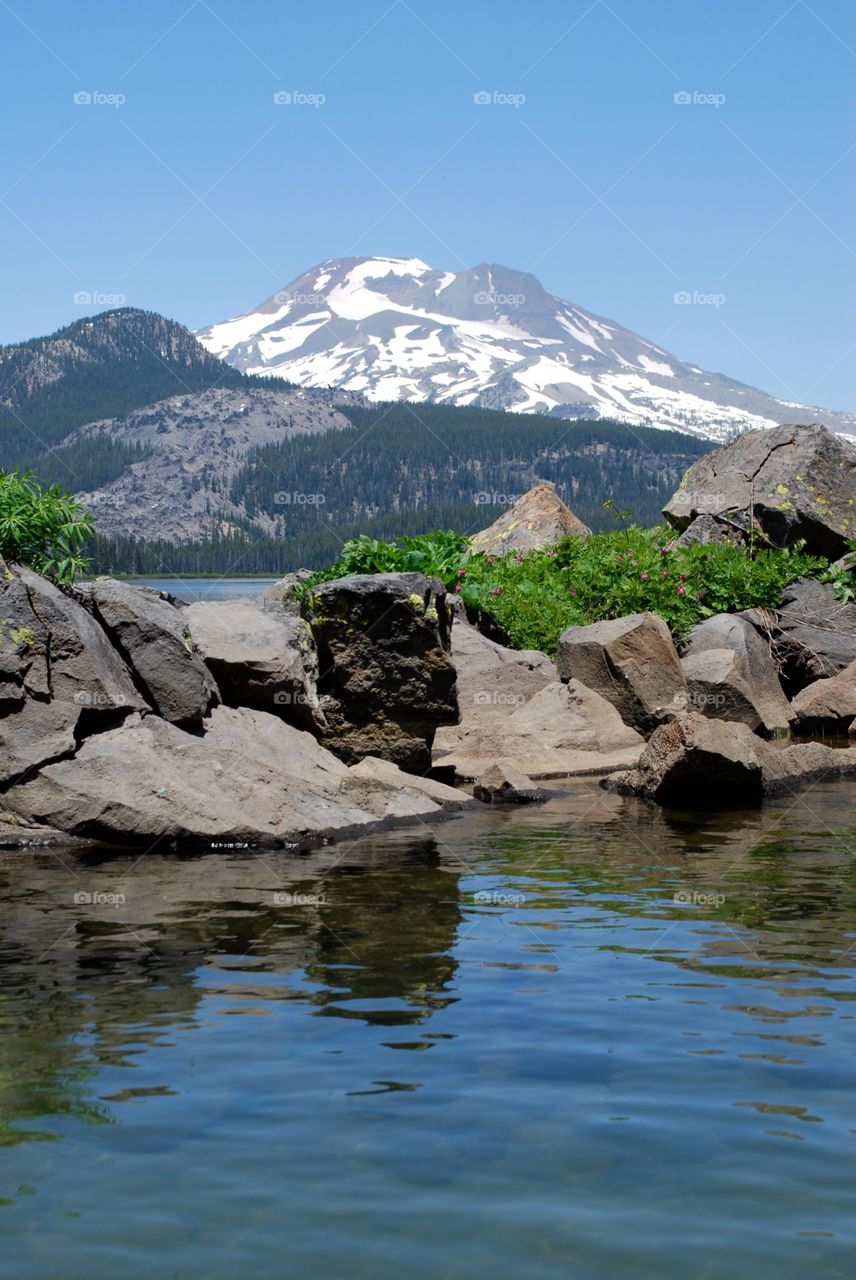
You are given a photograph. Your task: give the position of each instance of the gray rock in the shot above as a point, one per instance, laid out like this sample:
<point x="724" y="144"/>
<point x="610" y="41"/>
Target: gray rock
<point x="781" y="485"/>
<point x="59" y="675"/>
<point x="707" y="529"/>
<point x="248" y="778"/>
<point x="731" y="675"/>
<point x="282" y="593"/>
<point x="152" y="636"/>
<point x="827" y="706"/>
<point x="502" y="784"/>
<point x="631" y="662"/>
<point x="537" y="519"/>
<point x="812" y="634"/>
<point x="386" y="676"/>
<point x="698" y="763"/>
<point x="260" y="658"/>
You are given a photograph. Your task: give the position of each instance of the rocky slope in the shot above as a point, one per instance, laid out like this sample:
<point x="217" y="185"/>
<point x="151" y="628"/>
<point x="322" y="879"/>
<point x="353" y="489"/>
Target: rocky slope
<point x="397" y="329"/>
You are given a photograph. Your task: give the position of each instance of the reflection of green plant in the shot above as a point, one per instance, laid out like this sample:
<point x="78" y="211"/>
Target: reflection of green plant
<point x="44" y="529"/>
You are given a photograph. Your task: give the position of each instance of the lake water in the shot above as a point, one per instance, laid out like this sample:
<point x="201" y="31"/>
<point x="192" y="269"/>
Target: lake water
<point x="207" y="588"/>
<point x="583" y="1040"/>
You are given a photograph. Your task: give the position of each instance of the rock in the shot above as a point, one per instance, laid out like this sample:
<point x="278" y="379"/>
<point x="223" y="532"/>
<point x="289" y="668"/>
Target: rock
<point x="516" y="713"/>
<point x="695" y="762"/>
<point x="505" y="785"/>
<point x="387" y="679"/>
<point x="631" y="662"/>
<point x="783" y="484"/>
<point x="264" y="659"/>
<point x="282" y="593"/>
<point x="731" y="675"/>
<point x="538" y="519"/>
<point x="827" y="706"/>
<point x="60" y="677"/>
<point x="707" y="529"/>
<point x="812" y="634"/>
<point x="152" y="636"/>
<point x="247" y="778"/>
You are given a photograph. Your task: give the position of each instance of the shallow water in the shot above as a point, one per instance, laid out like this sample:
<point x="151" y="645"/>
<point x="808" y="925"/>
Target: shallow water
<point x="582" y="1040"/>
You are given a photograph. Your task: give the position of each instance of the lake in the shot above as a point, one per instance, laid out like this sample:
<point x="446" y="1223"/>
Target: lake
<point x="578" y="1041"/>
<point x="207" y="588"/>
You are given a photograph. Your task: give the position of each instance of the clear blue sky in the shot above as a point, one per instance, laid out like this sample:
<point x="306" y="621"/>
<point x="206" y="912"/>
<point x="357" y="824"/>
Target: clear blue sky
<point x="198" y="196"/>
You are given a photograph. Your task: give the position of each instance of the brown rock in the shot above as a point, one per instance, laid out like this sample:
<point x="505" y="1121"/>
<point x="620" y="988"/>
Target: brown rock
<point x="538" y="519"/>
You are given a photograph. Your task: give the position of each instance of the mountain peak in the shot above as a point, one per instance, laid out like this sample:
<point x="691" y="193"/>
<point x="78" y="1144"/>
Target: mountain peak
<point x="399" y="329"/>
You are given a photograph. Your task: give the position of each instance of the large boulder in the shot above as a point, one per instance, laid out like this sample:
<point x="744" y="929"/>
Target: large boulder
<point x="631" y="662"/>
<point x="537" y="519"/>
<point x="516" y="713"/>
<point x="698" y="763"/>
<point x="282" y="594"/>
<point x="731" y="675"/>
<point x="260" y="658"/>
<point x="152" y="636"/>
<point x="812" y="634"/>
<point x="60" y="677"/>
<point x="827" y="706"/>
<point x="246" y="778"/>
<point x="782" y="485"/>
<point x="386" y="675"/>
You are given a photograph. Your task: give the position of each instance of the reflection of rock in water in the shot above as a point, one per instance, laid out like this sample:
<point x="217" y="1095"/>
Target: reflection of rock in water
<point x="378" y="920"/>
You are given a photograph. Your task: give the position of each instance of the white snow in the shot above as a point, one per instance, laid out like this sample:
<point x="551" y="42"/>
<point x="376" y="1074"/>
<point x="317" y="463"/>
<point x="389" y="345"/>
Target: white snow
<point x="655" y="366"/>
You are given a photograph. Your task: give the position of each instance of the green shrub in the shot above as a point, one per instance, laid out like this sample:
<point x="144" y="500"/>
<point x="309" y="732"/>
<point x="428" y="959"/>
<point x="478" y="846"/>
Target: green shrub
<point x="42" y="528"/>
<point x="436" y="554"/>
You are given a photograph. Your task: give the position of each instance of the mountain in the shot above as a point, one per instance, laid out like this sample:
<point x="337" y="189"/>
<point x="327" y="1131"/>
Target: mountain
<point x="97" y="367"/>
<point x="397" y="329"/>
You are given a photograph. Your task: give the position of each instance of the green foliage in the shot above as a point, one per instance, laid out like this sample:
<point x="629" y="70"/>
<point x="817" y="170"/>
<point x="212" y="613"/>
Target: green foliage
<point x="436" y="554"/>
<point x="42" y="528"/>
<point x="533" y="598"/>
<point x="843" y="576"/>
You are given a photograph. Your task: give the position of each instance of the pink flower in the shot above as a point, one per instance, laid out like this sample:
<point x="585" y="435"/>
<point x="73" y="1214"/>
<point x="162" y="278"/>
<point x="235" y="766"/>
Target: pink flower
<point x="491" y="559"/>
<point x="682" y="591"/>
<point x="457" y="588"/>
<point x="496" y="591"/>
<point x="644" y="577"/>
<point x="462" y="573"/>
<point x="664" y="551"/>
<point x="571" y="591"/>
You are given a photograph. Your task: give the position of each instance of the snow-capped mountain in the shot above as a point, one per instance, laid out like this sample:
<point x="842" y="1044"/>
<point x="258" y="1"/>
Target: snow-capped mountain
<point x="397" y="329"/>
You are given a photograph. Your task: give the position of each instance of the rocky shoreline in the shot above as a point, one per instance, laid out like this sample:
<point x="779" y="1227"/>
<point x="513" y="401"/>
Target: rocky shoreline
<point x="130" y="718"/>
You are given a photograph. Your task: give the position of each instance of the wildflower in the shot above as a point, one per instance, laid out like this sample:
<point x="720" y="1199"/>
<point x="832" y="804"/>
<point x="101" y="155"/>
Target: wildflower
<point x="462" y="573"/>
<point x="571" y="591"/>
<point x="682" y="591"/>
<point x="496" y="591"/>
<point x="644" y="576"/>
<point x="664" y="551"/>
<point x="457" y="588"/>
<point x="491" y="559"/>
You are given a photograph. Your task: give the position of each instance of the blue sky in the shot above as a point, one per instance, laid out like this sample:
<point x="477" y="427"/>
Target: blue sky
<point x="197" y="195"/>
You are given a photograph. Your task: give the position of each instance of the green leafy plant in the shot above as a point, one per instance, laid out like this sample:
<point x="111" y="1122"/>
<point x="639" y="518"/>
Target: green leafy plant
<point x="842" y="576"/>
<point x="436" y="554"/>
<point x="43" y="528"/>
